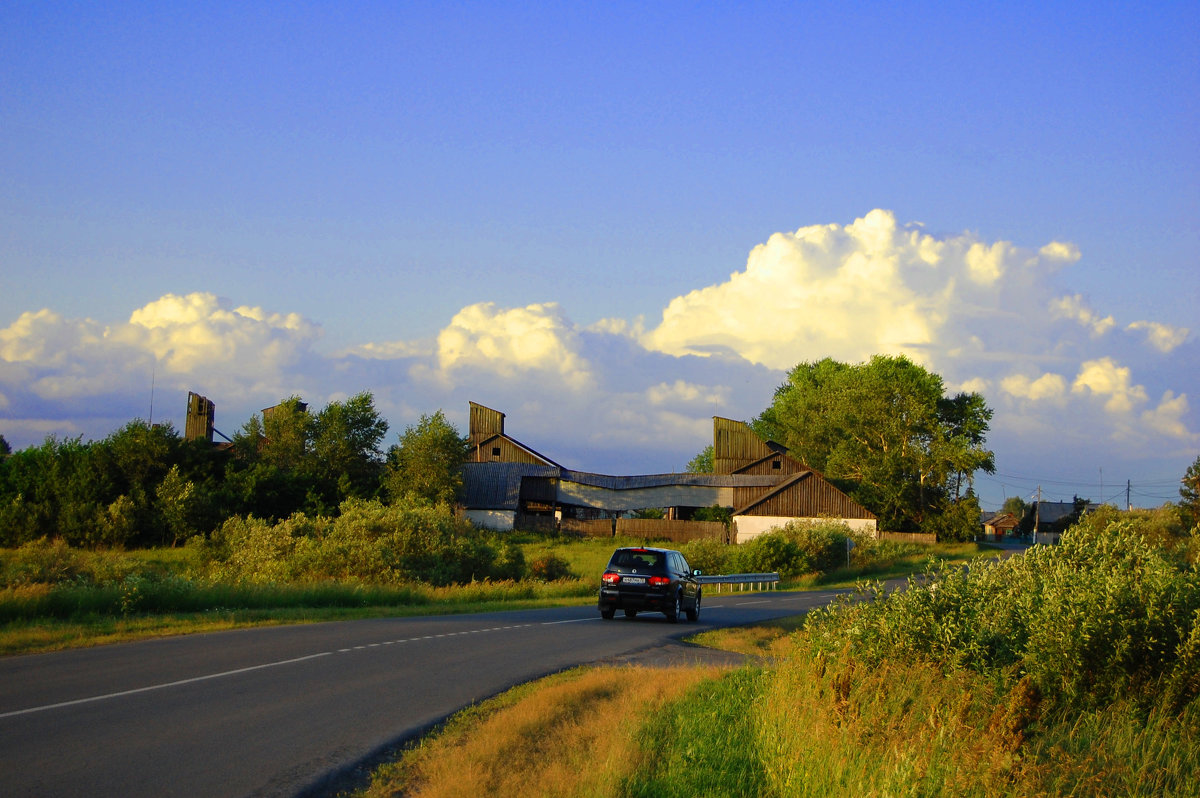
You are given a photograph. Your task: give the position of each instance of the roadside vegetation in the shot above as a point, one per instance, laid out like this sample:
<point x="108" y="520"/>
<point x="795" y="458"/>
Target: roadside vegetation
<point x="369" y="560"/>
<point x="1071" y="670"/>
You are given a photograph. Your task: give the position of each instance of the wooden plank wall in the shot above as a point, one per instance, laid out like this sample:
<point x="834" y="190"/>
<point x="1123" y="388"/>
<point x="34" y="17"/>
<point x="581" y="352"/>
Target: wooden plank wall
<point x="596" y="528"/>
<point x="810" y="498"/>
<point x="644" y="528"/>
<point x="674" y="531"/>
<point x="923" y="538"/>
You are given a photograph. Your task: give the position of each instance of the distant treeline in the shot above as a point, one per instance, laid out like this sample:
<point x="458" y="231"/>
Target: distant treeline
<point x="144" y="485"/>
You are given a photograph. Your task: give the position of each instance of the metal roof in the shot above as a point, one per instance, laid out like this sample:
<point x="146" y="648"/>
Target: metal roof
<point x="497" y="486"/>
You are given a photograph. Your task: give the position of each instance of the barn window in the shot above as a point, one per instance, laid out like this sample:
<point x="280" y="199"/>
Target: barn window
<point x="495" y="451"/>
<point x="775" y="465"/>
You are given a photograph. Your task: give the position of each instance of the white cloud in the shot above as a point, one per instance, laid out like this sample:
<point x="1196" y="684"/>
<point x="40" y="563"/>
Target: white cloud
<point x="1162" y="337"/>
<point x="1046" y="387"/>
<point x="536" y="338"/>
<point x="1076" y="309"/>
<point x="188" y="332"/>
<point x="683" y="392"/>
<point x="1104" y="377"/>
<point x="393" y="350"/>
<point x="1060" y="251"/>
<point x="850" y="292"/>
<point x="1168" y="417"/>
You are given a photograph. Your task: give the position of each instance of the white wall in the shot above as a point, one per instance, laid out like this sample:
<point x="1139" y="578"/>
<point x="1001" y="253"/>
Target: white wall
<point x="499" y="520"/>
<point x="749" y="527"/>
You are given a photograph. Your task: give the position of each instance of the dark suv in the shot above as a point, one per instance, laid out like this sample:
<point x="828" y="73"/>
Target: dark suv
<point x="658" y="580"/>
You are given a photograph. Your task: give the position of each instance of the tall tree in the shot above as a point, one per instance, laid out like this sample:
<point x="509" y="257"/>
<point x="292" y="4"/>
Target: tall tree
<point x="427" y="463"/>
<point x="346" y="440"/>
<point x="885" y="431"/>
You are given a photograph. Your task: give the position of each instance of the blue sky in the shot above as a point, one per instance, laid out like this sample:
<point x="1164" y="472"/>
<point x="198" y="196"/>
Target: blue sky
<point x="609" y="221"/>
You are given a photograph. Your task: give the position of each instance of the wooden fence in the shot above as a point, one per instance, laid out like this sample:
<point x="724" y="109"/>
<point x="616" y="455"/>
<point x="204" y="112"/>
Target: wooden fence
<point x="925" y="538"/>
<point x="674" y="531"/>
<point x="644" y="528"/>
<point x="599" y="528"/>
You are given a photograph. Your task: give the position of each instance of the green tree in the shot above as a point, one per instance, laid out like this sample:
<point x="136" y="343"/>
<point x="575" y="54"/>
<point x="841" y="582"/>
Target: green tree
<point x="1189" y="495"/>
<point x="1015" y="506"/>
<point x="427" y="463"/>
<point x="5" y="449"/>
<point x="273" y="474"/>
<point x="885" y="432"/>
<point x="702" y="463"/>
<point x="346" y="440"/>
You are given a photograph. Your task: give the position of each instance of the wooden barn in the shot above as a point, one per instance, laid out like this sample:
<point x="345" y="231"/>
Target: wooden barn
<point x="795" y="491"/>
<point x="504" y="481"/>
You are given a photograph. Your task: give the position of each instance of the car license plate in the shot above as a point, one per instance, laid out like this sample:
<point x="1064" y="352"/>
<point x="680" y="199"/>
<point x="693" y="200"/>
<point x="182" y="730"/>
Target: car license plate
<point x="633" y="580"/>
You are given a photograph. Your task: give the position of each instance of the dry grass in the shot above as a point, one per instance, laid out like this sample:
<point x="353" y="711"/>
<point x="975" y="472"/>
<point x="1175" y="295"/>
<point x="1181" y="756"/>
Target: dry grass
<point x="574" y="735"/>
<point x="771" y="639"/>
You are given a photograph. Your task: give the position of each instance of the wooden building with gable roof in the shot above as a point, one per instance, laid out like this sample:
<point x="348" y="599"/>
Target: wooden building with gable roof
<point x="795" y="492"/>
<point x="764" y="486"/>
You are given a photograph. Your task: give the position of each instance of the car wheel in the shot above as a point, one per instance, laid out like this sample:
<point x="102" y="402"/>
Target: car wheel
<point x="693" y="614"/>
<point x="676" y="608"/>
<point x="607" y="614"/>
<point x="630" y="613"/>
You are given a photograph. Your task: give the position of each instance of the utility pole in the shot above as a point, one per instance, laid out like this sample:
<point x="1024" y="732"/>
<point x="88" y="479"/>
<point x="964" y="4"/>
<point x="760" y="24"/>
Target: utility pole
<point x="1037" y="514"/>
<point x="1128" y="489"/>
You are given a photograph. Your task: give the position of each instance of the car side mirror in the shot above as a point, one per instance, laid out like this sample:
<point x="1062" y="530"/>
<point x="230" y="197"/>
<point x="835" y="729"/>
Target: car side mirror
<point x="696" y="572"/>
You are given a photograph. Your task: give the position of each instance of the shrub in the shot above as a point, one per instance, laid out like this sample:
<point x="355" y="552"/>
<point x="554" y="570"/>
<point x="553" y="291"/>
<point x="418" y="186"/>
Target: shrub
<point x="1105" y="614"/>
<point x="43" y="562"/>
<point x="368" y="541"/>
<point x="550" y="568"/>
<point x="712" y="557"/>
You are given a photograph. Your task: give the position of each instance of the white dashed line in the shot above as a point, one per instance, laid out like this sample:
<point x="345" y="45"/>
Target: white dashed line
<point x="222" y="674"/>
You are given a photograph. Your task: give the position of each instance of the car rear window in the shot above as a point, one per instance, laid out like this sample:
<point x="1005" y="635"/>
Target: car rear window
<point x="629" y="560"/>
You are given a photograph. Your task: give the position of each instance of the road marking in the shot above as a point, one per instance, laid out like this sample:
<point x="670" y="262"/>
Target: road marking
<point x="748" y="603"/>
<point x="163" y="686"/>
<point x="573" y="620"/>
<point x="235" y="672"/>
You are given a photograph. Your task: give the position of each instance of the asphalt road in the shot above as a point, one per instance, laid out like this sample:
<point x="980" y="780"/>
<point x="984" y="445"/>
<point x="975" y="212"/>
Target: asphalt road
<point x="283" y="711"/>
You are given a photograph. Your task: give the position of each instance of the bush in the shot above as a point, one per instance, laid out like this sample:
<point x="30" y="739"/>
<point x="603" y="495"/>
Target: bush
<point x="712" y="557"/>
<point x="43" y="562"/>
<point x="368" y="542"/>
<point x="1104" y="615"/>
<point x="550" y="568"/>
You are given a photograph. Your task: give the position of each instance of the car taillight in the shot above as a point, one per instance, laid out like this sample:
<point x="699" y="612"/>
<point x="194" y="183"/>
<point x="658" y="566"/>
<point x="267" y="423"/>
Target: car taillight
<point x="610" y="578"/>
<point x="659" y="581"/>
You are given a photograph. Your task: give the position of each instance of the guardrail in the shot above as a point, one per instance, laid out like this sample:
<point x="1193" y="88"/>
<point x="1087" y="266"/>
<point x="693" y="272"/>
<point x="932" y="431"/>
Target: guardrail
<point x="743" y="581"/>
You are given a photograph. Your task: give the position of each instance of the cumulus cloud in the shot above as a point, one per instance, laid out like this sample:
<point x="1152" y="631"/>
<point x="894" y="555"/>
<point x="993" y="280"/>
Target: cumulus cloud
<point x="1076" y="308"/>
<point x="57" y="371"/>
<point x="1162" y="337"/>
<point x="537" y="338"/>
<point x="1105" y="378"/>
<point x="1168" y="418"/>
<point x="188" y="332"/>
<point x="1045" y="387"/>
<point x="849" y="292"/>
